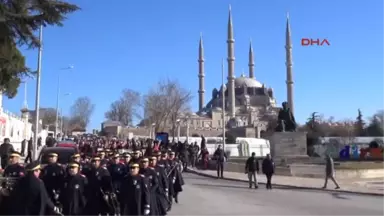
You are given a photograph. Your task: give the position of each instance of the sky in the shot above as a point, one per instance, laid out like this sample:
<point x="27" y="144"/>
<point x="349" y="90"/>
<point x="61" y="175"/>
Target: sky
<point x="134" y="44"/>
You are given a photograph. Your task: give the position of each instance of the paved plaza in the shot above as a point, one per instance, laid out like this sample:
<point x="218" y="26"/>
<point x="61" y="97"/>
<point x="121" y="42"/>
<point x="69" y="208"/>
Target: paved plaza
<point x="208" y="196"/>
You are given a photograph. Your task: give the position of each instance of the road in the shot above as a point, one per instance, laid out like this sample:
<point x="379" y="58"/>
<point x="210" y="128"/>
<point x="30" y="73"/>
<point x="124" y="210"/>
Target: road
<point x="207" y="196"/>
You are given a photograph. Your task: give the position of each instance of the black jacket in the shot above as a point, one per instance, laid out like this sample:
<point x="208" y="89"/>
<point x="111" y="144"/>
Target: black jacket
<point x="220" y="155"/>
<point x="268" y="166"/>
<point x="5" y="150"/>
<point x="252" y="165"/>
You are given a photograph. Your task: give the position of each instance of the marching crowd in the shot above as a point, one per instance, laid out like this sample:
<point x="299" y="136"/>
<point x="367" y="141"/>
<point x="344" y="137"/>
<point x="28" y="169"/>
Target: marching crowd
<point x="98" y="180"/>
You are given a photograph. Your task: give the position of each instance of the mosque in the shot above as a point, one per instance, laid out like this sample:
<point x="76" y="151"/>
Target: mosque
<point x="247" y="102"/>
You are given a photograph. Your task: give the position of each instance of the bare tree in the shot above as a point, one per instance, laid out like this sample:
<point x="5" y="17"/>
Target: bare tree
<point x="165" y="103"/>
<point x="125" y="109"/>
<point x="81" y="112"/>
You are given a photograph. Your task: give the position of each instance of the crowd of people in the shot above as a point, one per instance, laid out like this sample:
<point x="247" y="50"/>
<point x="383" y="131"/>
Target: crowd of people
<point x="103" y="178"/>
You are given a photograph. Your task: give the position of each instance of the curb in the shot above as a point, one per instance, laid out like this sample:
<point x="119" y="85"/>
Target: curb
<point x="290" y="186"/>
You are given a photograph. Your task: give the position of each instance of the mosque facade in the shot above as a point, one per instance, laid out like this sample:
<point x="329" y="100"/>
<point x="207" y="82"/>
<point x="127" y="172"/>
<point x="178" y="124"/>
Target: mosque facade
<point x="246" y="101"/>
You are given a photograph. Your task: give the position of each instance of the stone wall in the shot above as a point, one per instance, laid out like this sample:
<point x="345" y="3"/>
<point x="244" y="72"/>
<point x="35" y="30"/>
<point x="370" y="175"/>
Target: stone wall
<point x="14" y="127"/>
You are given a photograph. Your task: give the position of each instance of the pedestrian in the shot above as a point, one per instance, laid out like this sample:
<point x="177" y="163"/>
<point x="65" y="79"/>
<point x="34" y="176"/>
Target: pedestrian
<point x="28" y="159"/>
<point x="252" y="168"/>
<point x="220" y="157"/>
<point x="330" y="172"/>
<point x="5" y="150"/>
<point x="268" y="168"/>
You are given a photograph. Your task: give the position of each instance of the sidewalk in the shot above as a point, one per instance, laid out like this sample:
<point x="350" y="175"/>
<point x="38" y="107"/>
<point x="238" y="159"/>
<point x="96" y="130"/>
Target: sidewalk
<point x="351" y="186"/>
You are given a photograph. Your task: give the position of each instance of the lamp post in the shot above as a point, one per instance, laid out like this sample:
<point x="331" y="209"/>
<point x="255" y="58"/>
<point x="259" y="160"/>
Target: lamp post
<point x="153" y="130"/>
<point x="223" y="99"/>
<point x="37" y="101"/>
<point x="178" y="130"/>
<point x="188" y="129"/>
<point x="58" y="100"/>
<point x="61" y="118"/>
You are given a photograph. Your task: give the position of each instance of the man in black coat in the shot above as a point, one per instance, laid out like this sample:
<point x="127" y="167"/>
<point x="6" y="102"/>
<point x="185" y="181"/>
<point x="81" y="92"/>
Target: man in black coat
<point x="220" y="157"/>
<point x="268" y="168"/>
<point x="252" y="168"/>
<point x="5" y="150"/>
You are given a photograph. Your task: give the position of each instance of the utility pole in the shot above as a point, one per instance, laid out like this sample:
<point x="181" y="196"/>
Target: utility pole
<point x="37" y="101"/>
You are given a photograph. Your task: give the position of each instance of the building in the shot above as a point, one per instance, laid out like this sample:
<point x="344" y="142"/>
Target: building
<point x="15" y="127"/>
<point x="248" y="103"/>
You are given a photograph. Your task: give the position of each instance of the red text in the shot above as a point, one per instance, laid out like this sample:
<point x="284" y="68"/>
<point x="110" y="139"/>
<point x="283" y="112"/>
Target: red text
<point x="313" y="42"/>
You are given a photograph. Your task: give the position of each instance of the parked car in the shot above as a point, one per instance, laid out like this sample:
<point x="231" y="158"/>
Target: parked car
<point x="66" y="144"/>
<point x="64" y="153"/>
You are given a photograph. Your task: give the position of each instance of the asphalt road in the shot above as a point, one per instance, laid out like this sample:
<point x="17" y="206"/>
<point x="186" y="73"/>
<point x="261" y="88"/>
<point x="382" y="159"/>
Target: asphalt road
<point x="207" y="196"/>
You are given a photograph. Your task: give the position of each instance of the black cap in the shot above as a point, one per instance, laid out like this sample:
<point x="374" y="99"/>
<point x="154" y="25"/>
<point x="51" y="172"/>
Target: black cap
<point x="126" y="154"/>
<point x="15" y="154"/>
<point x="73" y="164"/>
<point x="35" y="165"/>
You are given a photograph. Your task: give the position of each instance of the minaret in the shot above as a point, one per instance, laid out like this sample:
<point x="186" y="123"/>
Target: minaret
<point x="251" y="62"/>
<point x="25" y="113"/>
<point x="288" y="63"/>
<point x="201" y="74"/>
<point x="231" y="66"/>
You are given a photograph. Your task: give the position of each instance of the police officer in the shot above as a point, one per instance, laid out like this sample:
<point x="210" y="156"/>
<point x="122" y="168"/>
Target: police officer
<point x="30" y="196"/>
<point x="14" y="169"/>
<point x="135" y="157"/>
<point x="135" y="196"/>
<point x="175" y="176"/>
<point x="162" y="190"/>
<point x="153" y="184"/>
<point x="99" y="186"/>
<point x="116" y="169"/>
<point x="72" y="196"/>
<point x="53" y="176"/>
<point x="126" y="159"/>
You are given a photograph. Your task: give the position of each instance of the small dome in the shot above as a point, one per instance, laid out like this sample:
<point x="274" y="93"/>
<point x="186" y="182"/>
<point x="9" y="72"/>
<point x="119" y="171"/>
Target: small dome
<point x="249" y="82"/>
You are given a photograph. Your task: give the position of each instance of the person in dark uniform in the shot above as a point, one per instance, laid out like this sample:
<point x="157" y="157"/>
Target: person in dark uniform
<point x="220" y="157"/>
<point x="135" y="157"/>
<point x="135" y="194"/>
<point x="116" y="169"/>
<point x="53" y="176"/>
<point x="30" y="196"/>
<point x="268" y="168"/>
<point x="126" y="160"/>
<point x="175" y="177"/>
<point x="72" y="196"/>
<point x="99" y="186"/>
<point x="252" y="168"/>
<point x="5" y="150"/>
<point x="14" y="169"/>
<point x="153" y="184"/>
<point x="162" y="190"/>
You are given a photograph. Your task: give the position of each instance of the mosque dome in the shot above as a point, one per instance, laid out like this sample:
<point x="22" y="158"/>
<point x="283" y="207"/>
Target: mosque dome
<point x="249" y="82"/>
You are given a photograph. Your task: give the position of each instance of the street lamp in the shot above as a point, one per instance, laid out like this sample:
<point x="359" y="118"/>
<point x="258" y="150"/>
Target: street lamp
<point x="61" y="118"/>
<point x="178" y="129"/>
<point x="153" y="130"/>
<point x="37" y="101"/>
<point x="58" y="99"/>
<point x="187" y="120"/>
